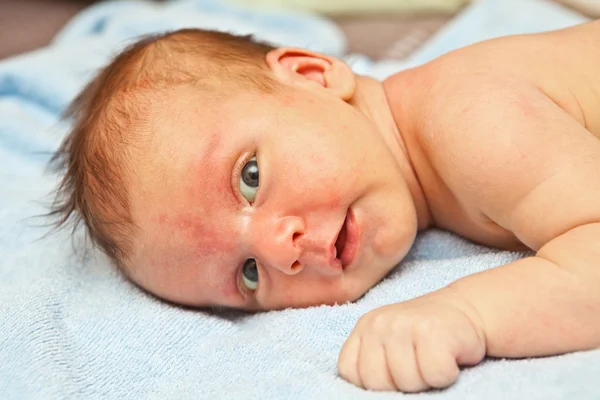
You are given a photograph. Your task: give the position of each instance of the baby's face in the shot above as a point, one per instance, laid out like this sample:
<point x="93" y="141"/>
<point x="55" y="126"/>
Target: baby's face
<point x="266" y="201"/>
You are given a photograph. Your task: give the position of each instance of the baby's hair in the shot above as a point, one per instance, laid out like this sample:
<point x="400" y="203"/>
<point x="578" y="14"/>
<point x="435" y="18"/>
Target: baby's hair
<point x="97" y="155"/>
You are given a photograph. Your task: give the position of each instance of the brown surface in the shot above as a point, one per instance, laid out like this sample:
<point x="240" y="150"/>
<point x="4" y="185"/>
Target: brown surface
<point x="393" y="36"/>
<point x="29" y="24"/>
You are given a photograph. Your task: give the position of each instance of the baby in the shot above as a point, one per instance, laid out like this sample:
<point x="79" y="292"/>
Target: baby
<point x="214" y="170"/>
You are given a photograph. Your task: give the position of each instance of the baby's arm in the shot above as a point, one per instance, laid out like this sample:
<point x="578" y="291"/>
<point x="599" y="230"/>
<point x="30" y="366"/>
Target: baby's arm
<point x="512" y="153"/>
<point x="542" y="305"/>
<point x="538" y="176"/>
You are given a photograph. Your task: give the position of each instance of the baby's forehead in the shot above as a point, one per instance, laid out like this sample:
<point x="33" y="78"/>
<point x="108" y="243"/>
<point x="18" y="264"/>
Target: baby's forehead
<point x="187" y="117"/>
<point x="185" y="188"/>
<point x="196" y="140"/>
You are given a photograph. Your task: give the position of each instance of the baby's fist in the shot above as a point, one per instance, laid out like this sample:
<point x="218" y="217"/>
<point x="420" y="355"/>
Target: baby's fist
<point x="412" y="346"/>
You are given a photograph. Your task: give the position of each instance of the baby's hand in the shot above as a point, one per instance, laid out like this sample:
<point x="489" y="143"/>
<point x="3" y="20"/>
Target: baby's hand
<point x="412" y="346"/>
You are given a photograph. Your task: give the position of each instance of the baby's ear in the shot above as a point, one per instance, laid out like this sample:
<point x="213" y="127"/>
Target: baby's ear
<point x="310" y="70"/>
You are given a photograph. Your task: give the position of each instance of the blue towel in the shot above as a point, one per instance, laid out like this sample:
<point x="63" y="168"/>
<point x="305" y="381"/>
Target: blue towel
<point x="71" y="327"/>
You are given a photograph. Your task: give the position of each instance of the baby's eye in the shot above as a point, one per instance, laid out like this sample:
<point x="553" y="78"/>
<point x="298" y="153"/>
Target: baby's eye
<point x="249" y="180"/>
<point x="250" y="274"/>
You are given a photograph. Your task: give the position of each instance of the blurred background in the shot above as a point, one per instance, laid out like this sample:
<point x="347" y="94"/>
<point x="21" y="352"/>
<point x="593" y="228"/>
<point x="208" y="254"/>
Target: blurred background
<point x="376" y="28"/>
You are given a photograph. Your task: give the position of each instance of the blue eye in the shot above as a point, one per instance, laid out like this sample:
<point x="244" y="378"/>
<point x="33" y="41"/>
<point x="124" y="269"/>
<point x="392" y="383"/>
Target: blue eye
<point x="249" y="180"/>
<point x="250" y="274"/>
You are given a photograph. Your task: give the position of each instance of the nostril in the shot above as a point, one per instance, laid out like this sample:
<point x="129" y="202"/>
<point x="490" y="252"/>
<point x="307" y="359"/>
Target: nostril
<point x="296" y="236"/>
<point x="295" y="266"/>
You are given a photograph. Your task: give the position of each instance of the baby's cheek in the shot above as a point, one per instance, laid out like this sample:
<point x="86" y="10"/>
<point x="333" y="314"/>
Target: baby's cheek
<point x="334" y="197"/>
<point x="289" y="298"/>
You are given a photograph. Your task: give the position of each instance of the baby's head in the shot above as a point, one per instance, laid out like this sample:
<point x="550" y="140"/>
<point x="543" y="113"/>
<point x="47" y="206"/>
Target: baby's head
<point x="214" y="170"/>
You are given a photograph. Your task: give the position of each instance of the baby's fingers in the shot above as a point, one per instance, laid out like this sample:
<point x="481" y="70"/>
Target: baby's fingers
<point x="348" y="360"/>
<point x="372" y="364"/>
<point x="403" y="365"/>
<point x="437" y="365"/>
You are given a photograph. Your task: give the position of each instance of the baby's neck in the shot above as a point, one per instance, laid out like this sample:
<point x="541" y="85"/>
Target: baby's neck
<point x="370" y="99"/>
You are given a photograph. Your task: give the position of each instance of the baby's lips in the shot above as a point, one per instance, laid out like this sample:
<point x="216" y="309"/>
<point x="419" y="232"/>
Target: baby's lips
<point x="351" y="239"/>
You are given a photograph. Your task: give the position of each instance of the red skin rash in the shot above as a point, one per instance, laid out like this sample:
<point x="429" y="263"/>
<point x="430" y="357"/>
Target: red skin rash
<point x="198" y="240"/>
<point x="204" y="236"/>
<point x="202" y="229"/>
<point x="289" y="101"/>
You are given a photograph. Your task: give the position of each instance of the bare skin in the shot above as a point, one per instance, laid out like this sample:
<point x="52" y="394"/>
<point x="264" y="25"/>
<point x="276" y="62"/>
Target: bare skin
<point x="497" y="142"/>
<point x="503" y="137"/>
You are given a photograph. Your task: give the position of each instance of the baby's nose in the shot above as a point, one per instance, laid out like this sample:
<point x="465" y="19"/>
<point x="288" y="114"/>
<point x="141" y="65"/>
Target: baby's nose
<point x="276" y="243"/>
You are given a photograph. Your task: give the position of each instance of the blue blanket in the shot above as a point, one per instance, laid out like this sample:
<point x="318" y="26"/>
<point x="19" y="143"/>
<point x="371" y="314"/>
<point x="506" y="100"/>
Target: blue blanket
<point x="71" y="327"/>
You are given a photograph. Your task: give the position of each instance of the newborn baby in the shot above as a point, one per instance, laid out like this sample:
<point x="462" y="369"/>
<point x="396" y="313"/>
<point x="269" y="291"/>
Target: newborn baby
<point x="214" y="170"/>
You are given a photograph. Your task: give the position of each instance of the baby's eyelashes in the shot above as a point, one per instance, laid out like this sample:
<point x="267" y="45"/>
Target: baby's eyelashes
<point x="249" y="178"/>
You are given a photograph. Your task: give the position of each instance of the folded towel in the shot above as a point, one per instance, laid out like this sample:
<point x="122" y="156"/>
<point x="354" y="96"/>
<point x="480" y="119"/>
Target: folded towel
<point x="72" y="327"/>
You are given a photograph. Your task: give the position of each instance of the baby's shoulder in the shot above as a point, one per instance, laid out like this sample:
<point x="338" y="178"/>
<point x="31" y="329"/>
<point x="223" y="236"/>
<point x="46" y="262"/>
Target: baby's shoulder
<point x="556" y="62"/>
<point x="445" y="110"/>
<point x="491" y="134"/>
<point x="495" y="141"/>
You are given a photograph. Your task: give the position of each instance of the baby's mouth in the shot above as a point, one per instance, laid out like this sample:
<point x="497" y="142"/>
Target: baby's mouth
<point x="346" y="244"/>
<point x="340" y="242"/>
